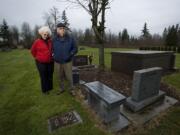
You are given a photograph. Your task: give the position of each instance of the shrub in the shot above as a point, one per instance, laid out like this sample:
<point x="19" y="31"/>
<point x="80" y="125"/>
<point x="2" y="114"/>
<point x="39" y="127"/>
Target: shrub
<point x="178" y="49"/>
<point x="174" y="49"/>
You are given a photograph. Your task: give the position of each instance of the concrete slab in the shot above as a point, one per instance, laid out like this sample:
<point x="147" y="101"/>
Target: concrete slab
<point x="81" y="82"/>
<point x="136" y="106"/>
<point x="149" y="112"/>
<point x="118" y="124"/>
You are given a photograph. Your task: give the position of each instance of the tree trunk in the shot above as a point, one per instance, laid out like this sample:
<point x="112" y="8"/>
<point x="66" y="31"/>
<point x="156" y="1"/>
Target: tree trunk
<point x="101" y="56"/>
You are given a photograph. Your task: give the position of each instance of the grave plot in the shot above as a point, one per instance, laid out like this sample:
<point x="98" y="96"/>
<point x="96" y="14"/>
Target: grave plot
<point x="147" y="100"/>
<point x="120" y="82"/>
<point x="130" y="61"/>
<point x="145" y="89"/>
<point x="146" y="96"/>
<point x="75" y="75"/>
<point x="82" y="62"/>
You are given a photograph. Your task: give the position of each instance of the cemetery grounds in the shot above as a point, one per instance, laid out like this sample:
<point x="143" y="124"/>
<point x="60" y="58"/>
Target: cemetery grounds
<point x="24" y="110"/>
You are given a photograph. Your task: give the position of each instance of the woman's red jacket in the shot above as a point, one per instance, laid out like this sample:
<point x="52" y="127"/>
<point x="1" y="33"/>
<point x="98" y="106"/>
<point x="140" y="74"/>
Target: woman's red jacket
<point x="42" y="51"/>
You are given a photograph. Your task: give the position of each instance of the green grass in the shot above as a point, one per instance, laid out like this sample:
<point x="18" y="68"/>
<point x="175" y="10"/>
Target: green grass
<point x="174" y="79"/>
<point x="107" y="54"/>
<point x="170" y="124"/>
<point x="24" y="110"/>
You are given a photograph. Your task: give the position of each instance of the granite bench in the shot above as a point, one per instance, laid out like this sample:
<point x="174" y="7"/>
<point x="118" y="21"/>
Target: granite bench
<point x="104" y="100"/>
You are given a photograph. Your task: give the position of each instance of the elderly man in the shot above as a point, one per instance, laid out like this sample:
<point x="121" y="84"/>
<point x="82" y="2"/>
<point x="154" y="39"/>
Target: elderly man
<point x="64" y="48"/>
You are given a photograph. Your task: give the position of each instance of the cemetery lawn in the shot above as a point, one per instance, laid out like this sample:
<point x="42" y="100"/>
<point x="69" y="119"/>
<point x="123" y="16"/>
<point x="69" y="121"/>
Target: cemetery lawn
<point x="169" y="123"/>
<point x="24" y="110"/>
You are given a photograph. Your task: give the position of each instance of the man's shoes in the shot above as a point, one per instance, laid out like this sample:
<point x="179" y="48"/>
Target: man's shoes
<point x="72" y="93"/>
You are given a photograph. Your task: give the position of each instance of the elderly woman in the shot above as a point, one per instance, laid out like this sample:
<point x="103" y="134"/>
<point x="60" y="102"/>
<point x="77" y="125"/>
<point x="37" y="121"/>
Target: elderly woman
<point x="42" y="53"/>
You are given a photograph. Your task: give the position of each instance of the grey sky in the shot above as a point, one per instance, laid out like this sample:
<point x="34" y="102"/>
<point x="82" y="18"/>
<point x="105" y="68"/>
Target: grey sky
<point x="130" y="14"/>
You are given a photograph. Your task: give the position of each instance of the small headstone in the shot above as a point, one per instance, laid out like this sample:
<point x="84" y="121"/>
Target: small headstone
<point x="75" y="73"/>
<point x="145" y="90"/>
<point x="59" y="121"/>
<point x="146" y="83"/>
<point x="80" y="60"/>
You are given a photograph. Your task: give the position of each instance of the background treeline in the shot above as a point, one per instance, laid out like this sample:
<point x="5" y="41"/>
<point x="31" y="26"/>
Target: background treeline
<point x="170" y="37"/>
<point x="23" y="36"/>
<point x="12" y="37"/>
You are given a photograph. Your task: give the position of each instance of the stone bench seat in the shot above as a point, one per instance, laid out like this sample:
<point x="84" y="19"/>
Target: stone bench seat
<point x="104" y="100"/>
<point x="103" y="92"/>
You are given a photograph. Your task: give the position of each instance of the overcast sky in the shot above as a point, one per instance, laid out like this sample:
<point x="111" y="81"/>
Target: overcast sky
<point x="130" y="14"/>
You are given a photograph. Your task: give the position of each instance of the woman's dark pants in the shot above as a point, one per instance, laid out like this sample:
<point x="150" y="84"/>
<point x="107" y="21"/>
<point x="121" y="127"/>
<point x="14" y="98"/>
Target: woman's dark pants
<point x="46" y="74"/>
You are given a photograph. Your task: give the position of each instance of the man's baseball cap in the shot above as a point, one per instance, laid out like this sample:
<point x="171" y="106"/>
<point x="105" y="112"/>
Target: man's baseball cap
<point x="61" y="25"/>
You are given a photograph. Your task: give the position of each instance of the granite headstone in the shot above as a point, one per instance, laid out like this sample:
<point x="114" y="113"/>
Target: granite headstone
<point x="145" y="89"/>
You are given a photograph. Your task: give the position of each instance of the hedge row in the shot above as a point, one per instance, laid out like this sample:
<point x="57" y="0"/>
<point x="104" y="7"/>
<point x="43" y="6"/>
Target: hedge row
<point x="165" y="48"/>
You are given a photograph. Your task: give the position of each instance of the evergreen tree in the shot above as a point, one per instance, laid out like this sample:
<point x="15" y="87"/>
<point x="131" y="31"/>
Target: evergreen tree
<point x="165" y="32"/>
<point x="65" y="19"/>
<point x="119" y="37"/>
<point x="172" y="36"/>
<point x="145" y="32"/>
<point x="125" y="36"/>
<point x="178" y="34"/>
<point x="5" y="33"/>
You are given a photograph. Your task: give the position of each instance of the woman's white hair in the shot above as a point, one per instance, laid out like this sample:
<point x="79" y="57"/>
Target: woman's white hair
<point x="44" y="29"/>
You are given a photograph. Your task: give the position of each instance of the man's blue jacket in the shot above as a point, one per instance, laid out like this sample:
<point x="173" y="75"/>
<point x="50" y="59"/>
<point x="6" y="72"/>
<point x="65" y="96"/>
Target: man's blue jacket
<point x="64" y="48"/>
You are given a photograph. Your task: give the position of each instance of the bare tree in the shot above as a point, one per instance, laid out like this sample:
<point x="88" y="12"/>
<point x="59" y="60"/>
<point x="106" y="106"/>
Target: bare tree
<point x="48" y="21"/>
<point x="52" y="18"/>
<point x="96" y="9"/>
<point x="35" y="32"/>
<point x="26" y="35"/>
<point x="54" y="12"/>
<point x="15" y="35"/>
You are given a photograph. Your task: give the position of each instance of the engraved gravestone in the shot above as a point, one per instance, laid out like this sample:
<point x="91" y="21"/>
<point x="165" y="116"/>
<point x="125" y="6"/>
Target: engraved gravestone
<point x="146" y="83"/>
<point x="145" y="89"/>
<point x="59" y="121"/>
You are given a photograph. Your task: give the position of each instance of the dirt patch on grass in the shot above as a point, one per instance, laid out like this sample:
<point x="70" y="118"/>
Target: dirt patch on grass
<point x="120" y="82"/>
<point x="117" y="81"/>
